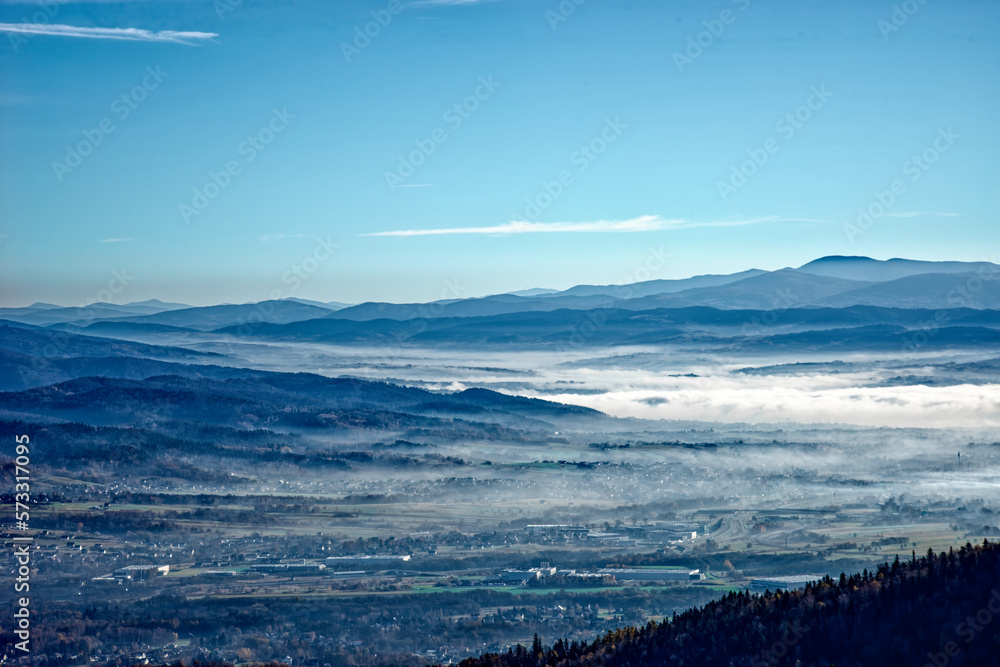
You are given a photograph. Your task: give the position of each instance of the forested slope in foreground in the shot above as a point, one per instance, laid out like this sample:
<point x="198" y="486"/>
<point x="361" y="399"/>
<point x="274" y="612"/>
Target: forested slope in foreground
<point x="941" y="609"/>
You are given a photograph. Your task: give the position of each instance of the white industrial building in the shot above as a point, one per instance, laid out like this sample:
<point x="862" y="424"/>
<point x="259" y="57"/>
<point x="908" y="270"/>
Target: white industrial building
<point x="526" y="575"/>
<point x="653" y="574"/>
<point x="141" y="571"/>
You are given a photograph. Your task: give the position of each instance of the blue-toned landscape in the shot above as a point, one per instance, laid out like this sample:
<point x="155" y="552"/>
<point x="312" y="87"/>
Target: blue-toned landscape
<point x="559" y="464"/>
<point x="499" y="333"/>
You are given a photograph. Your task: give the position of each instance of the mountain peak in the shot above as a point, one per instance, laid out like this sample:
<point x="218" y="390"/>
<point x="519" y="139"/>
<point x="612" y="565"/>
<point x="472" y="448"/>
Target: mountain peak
<point x="829" y="259"/>
<point x="876" y="270"/>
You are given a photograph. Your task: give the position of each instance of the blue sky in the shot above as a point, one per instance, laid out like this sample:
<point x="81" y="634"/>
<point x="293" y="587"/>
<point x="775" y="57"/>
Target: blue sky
<point x="647" y="129"/>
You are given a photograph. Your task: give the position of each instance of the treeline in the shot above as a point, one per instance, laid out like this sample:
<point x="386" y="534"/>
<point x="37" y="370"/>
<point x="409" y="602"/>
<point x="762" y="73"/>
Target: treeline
<point x="123" y="521"/>
<point x="941" y="609"/>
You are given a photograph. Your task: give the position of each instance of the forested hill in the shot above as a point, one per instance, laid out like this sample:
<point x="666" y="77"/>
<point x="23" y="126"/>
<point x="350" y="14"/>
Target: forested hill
<point x="941" y="610"/>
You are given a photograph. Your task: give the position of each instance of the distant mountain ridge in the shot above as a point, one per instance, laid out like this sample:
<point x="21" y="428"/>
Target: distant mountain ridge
<point x="818" y="283"/>
<point x="791" y="330"/>
<point x="206" y="318"/>
<point x="650" y="287"/>
<point x="781" y="289"/>
<point x="834" y="281"/>
<point x="925" y="290"/>
<point x="866" y="268"/>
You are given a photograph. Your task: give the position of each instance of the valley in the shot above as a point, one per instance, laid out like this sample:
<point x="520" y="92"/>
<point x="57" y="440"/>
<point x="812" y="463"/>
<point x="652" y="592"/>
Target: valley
<point x="363" y="492"/>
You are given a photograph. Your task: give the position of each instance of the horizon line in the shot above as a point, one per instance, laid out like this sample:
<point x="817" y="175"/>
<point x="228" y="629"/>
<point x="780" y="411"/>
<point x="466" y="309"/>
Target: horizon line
<point x="306" y="301"/>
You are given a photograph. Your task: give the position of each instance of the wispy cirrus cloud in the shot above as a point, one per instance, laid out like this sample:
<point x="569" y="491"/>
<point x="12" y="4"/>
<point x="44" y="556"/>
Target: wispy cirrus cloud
<point x="131" y="238"/>
<point x="644" y="223"/>
<point x="50" y="3"/>
<point x="187" y="37"/>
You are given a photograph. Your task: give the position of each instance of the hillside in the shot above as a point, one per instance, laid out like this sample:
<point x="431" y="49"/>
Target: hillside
<point x="866" y="268"/>
<point x="927" y="290"/>
<point x="210" y="317"/>
<point x="788" y="330"/>
<point x="47" y="345"/>
<point x="650" y="287"/>
<point x="775" y="290"/>
<point x="940" y="609"/>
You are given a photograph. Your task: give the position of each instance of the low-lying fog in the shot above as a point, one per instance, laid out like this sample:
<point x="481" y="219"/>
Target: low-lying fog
<point x="896" y="390"/>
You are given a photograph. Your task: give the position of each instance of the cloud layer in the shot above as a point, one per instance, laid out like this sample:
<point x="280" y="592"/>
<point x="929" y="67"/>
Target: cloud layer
<point x="644" y="223"/>
<point x="190" y="38"/>
<point x="683" y="389"/>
